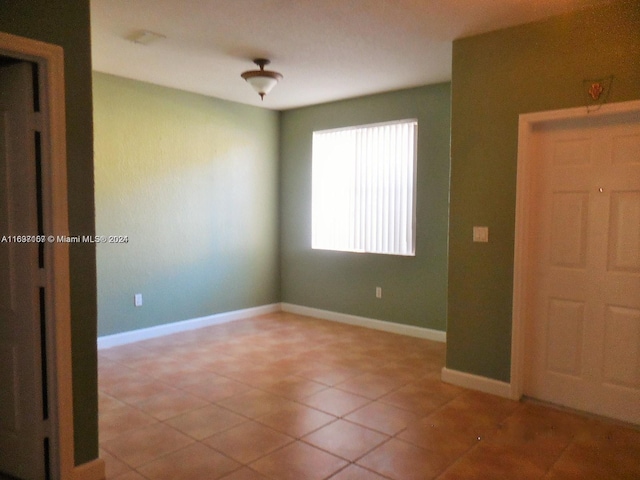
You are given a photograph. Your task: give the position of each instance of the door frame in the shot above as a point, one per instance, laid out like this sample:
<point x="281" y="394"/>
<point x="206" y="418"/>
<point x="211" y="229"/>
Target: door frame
<point x="50" y="61"/>
<point x="523" y="226"/>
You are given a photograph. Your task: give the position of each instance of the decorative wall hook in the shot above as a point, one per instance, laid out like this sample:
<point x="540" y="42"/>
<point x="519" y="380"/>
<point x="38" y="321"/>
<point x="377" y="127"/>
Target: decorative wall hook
<point x="595" y="90"/>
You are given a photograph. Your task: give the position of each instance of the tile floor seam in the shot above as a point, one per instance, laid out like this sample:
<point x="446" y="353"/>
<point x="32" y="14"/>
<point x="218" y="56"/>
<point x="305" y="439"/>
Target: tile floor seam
<point x="559" y="457"/>
<point x="354" y="461"/>
<point x="200" y="440"/>
<point x="249" y="465"/>
<point x="315" y="408"/>
<point x="457" y="460"/>
<point x="153" y="459"/>
<point x="350" y="464"/>
<point x="173" y="452"/>
<point x="260" y="457"/>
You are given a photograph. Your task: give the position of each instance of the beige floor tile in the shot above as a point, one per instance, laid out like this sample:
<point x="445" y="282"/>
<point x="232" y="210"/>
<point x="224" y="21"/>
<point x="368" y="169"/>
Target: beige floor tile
<point x="125" y="353"/>
<point x="335" y="402"/>
<point x="113" y="467"/>
<point x="242" y="391"/>
<point x="111" y="375"/>
<point x="299" y="461"/>
<point x="485" y="404"/>
<point x="327" y="374"/>
<point x="401" y="371"/>
<point x="213" y="389"/>
<point x="402" y="461"/>
<point x="245" y="473"/>
<point x="135" y="388"/>
<point x="121" y="419"/>
<point x="492" y="463"/>
<point x="195" y="462"/>
<point x="460" y="424"/>
<point x="383" y="417"/>
<point x="345" y="439"/>
<point x="257" y="378"/>
<point x="371" y="385"/>
<point x="255" y="403"/>
<point x="355" y="472"/>
<point x="447" y="441"/>
<point x="600" y="450"/>
<point x="295" y="388"/>
<point x="422" y="397"/>
<point x="206" y="421"/>
<point x="107" y="402"/>
<point x="170" y="403"/>
<point x="142" y="445"/>
<point x="130" y="475"/>
<point x="248" y="442"/>
<point x="296" y="420"/>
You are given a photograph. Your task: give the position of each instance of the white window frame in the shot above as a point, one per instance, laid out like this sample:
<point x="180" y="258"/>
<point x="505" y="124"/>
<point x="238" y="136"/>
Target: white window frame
<point x="364" y="188"/>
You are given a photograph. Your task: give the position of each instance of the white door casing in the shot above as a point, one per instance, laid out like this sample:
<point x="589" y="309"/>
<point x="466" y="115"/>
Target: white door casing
<point x="576" y="324"/>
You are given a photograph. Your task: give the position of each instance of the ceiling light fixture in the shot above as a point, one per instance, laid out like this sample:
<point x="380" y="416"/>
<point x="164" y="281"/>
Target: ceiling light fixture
<point x="261" y="80"/>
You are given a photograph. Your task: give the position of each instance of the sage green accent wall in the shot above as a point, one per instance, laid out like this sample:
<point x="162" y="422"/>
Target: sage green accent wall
<point x="192" y="181"/>
<point x="497" y="76"/>
<point x="65" y="23"/>
<point x="413" y="288"/>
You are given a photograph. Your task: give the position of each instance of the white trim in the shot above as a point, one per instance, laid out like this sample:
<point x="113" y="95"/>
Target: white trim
<point x="398" y="328"/>
<point x="580" y="112"/>
<point x="93" y="470"/>
<point x="476" y="382"/>
<point x="108" y="341"/>
<point x="50" y="61"/>
<point x="526" y="156"/>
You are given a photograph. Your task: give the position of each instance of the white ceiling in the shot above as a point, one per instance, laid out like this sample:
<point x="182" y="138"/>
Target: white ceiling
<point x="326" y="49"/>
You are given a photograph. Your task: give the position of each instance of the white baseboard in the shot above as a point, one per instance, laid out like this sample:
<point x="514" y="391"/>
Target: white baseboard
<point x="391" y="327"/>
<point x="477" y="382"/>
<point x="108" y="341"/>
<point x="93" y="470"/>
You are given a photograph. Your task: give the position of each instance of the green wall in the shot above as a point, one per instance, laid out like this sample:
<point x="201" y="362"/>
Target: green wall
<point x="414" y="288"/>
<point x="66" y="24"/>
<point x="192" y="181"/>
<point x="496" y="77"/>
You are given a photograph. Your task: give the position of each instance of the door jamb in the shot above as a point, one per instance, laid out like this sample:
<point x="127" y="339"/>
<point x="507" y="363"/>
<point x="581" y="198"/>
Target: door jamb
<point x="523" y="226"/>
<point x="50" y="60"/>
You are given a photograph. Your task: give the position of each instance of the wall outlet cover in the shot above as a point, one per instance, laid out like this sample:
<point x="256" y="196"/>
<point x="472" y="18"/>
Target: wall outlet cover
<point x="481" y="234"/>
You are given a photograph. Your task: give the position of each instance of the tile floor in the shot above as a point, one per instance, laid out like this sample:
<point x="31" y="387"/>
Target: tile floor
<point x="286" y="397"/>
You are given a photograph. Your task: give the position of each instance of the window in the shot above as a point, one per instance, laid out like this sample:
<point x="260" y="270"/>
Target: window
<point x="363" y="188"/>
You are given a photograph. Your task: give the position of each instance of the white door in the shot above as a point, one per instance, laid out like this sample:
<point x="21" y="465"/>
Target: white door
<point x="582" y="346"/>
<point x="22" y="413"/>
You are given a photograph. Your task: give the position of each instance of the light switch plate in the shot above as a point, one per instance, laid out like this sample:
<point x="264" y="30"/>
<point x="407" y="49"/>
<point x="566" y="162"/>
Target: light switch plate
<point x="481" y="234"/>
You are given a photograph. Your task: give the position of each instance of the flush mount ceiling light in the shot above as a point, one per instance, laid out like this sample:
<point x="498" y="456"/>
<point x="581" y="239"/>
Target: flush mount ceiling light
<point x="261" y="80"/>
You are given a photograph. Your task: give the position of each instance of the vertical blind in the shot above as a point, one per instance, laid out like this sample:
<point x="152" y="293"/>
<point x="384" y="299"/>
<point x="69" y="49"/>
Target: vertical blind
<point x="363" y="188"/>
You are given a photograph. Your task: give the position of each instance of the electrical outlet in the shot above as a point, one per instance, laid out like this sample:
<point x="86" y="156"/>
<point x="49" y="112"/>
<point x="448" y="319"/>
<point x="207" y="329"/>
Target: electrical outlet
<point x="137" y="299"/>
<point x="378" y="292"/>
